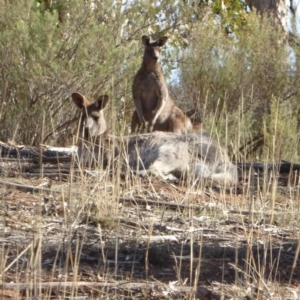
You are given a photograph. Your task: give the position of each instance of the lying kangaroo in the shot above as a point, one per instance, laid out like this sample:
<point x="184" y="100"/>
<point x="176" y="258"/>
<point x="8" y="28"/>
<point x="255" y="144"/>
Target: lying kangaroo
<point x="164" y="154"/>
<point x="151" y="96"/>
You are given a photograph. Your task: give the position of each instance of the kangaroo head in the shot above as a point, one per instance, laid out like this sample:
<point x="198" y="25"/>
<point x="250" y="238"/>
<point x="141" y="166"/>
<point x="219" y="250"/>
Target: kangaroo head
<point x="152" y="49"/>
<point x="92" y="122"/>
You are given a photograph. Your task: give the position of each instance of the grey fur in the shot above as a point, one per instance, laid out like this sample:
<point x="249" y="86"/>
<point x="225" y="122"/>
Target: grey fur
<point x="194" y="155"/>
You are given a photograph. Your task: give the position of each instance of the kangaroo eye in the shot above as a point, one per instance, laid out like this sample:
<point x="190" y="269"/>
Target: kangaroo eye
<point x="95" y="118"/>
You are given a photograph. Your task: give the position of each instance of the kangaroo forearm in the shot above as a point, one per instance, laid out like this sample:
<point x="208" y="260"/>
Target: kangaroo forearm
<point x="159" y="108"/>
<point x="139" y="111"/>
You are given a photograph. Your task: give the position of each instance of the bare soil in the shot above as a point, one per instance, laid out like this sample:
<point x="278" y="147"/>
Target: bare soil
<point x="85" y="237"/>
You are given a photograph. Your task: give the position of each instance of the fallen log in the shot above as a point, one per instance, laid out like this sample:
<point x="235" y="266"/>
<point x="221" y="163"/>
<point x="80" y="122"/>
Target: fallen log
<point x="45" y="154"/>
<point x="281" y="168"/>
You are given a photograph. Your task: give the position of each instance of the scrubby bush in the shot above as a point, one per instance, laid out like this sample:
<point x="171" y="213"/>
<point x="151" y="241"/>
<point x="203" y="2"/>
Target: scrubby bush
<point x="234" y="80"/>
<point x="49" y="50"/>
<point x="44" y="60"/>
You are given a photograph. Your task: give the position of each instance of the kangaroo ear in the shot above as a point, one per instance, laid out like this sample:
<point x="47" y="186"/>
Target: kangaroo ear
<point x="146" y="40"/>
<point x="101" y="102"/>
<point x="190" y="113"/>
<point x="162" y="40"/>
<point x="80" y="100"/>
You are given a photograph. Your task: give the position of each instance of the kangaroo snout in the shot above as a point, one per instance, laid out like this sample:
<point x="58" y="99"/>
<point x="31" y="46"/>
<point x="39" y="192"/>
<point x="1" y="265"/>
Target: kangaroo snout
<point x="156" y="55"/>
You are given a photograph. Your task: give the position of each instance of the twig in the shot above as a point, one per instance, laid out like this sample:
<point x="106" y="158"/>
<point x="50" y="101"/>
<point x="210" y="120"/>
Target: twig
<point x="27" y="188"/>
<point x="8" y="267"/>
<point x="160" y="203"/>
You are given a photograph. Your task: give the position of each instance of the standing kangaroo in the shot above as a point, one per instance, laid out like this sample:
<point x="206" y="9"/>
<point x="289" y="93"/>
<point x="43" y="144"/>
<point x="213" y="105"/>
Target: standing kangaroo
<point x="151" y="96"/>
<point x="165" y="154"/>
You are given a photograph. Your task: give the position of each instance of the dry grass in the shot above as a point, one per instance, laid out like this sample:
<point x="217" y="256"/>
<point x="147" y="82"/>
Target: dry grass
<point x="105" y="237"/>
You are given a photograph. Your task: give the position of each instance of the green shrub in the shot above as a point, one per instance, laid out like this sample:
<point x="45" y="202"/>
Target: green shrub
<point x="50" y="49"/>
<point x="234" y="79"/>
<point x="44" y="61"/>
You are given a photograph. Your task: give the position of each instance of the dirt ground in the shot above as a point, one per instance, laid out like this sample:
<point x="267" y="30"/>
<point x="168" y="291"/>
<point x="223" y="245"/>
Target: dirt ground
<point x="83" y="237"/>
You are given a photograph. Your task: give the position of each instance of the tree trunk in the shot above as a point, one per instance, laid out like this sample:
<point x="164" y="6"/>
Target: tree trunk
<point x="277" y="8"/>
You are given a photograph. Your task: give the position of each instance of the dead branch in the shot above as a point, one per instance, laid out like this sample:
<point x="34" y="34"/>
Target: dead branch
<point x="27" y="188"/>
<point x="160" y="203"/>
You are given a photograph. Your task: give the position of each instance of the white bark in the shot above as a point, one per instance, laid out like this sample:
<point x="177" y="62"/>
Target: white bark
<point x="276" y="7"/>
